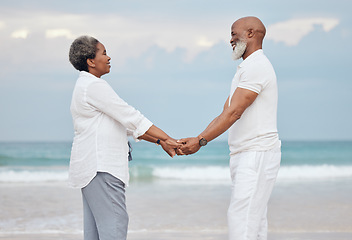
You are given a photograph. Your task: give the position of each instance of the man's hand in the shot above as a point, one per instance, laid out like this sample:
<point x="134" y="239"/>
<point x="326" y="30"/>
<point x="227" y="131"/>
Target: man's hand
<point x="189" y="146"/>
<point x="170" y="146"/>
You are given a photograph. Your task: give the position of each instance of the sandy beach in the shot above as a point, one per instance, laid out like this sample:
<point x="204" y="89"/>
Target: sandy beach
<point x="169" y="210"/>
<point x="172" y="210"/>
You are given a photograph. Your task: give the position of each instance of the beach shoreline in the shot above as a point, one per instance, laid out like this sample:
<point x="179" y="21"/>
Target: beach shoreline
<point x="186" y="236"/>
<point x="174" y="210"/>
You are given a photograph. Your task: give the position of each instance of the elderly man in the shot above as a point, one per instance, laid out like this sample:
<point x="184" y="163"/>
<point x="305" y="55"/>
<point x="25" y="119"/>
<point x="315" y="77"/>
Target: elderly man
<point x="250" y="114"/>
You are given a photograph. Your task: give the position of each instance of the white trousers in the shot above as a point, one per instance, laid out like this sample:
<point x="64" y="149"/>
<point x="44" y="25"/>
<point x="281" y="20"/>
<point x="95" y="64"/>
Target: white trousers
<point x="253" y="177"/>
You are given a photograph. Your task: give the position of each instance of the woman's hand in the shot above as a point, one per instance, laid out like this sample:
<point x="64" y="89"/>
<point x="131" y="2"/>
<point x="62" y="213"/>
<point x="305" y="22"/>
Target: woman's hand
<point x="170" y="145"/>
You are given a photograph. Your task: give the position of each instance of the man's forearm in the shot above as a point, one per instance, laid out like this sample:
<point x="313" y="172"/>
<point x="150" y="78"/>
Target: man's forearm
<point x="211" y="124"/>
<point x="241" y="100"/>
<point x="218" y="126"/>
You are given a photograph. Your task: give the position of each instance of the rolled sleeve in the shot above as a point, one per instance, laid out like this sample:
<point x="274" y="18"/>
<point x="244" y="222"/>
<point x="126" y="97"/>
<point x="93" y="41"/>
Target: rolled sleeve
<point x="142" y="128"/>
<point x="130" y="134"/>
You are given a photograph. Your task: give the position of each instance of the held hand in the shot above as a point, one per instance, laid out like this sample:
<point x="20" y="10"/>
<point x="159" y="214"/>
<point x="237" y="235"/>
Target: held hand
<point x="179" y="152"/>
<point x="173" y="143"/>
<point x="169" y="150"/>
<point x="189" y="146"/>
<point x="170" y="146"/>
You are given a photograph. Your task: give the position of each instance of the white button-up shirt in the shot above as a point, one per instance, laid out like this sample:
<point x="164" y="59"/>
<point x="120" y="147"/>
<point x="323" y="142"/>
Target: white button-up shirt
<point x="101" y="122"/>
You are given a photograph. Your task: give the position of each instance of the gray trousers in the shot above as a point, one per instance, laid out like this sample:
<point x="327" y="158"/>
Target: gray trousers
<point x="104" y="208"/>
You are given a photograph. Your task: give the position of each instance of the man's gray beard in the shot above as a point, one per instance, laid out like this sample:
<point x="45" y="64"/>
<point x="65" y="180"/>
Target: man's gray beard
<point x="239" y="50"/>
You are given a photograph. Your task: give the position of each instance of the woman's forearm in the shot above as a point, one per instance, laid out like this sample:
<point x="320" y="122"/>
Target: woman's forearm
<point x="157" y="133"/>
<point x="148" y="138"/>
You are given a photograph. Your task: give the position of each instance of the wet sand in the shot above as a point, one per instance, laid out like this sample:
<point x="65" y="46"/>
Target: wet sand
<point x="171" y="210"/>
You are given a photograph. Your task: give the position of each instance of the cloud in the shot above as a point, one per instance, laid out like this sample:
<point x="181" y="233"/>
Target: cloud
<point x="291" y="32"/>
<point x="54" y="33"/>
<point x="122" y="34"/>
<point x="22" y="33"/>
<point x="204" y="42"/>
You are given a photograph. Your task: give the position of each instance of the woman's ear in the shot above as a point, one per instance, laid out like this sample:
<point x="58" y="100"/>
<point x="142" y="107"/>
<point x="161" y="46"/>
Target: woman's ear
<point x="90" y="62"/>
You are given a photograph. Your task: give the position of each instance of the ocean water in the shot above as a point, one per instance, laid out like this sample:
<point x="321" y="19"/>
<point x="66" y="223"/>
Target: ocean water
<point x="313" y="193"/>
<point x="301" y="161"/>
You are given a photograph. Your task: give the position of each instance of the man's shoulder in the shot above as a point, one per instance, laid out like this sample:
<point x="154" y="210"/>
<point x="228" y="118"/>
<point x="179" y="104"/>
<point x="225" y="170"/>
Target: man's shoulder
<point x="260" y="58"/>
<point x="259" y="68"/>
<point x="259" y="63"/>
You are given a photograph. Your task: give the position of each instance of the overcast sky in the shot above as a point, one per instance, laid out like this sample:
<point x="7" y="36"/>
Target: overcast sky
<point x="172" y="61"/>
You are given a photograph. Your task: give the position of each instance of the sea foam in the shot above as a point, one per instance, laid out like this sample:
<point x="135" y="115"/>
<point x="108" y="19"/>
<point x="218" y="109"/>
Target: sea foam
<point x="191" y="173"/>
<point x="26" y="176"/>
<point x="314" y="172"/>
<point x="292" y="173"/>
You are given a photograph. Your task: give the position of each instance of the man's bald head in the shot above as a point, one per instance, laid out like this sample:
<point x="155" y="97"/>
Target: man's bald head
<point x="251" y="23"/>
<point x="249" y="30"/>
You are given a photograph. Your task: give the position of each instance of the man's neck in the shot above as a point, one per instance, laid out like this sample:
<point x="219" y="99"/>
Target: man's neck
<point x="249" y="51"/>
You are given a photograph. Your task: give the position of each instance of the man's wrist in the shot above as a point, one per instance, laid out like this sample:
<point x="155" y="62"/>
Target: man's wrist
<point x="202" y="141"/>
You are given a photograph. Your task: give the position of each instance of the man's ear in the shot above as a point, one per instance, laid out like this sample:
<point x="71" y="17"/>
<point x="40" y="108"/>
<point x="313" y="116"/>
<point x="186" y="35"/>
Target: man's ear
<point x="90" y="62"/>
<point x="250" y="33"/>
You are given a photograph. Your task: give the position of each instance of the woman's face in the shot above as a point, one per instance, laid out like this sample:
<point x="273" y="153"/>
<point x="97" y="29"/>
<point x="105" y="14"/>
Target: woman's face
<point x="101" y="63"/>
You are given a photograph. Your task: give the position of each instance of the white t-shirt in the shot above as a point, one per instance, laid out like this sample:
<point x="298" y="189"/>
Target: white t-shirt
<point x="256" y="130"/>
<point x="101" y="122"/>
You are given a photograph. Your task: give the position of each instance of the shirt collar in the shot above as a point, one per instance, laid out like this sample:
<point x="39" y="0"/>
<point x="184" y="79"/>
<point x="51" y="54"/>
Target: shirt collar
<point x="86" y="74"/>
<point x="251" y="57"/>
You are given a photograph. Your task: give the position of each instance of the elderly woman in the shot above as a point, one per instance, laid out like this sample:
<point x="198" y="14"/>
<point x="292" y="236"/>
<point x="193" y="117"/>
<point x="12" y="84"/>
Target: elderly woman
<point x="100" y="150"/>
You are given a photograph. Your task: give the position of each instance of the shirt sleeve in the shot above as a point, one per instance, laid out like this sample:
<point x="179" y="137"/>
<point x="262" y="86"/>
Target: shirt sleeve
<point x="252" y="80"/>
<point x="130" y="133"/>
<point x="101" y="96"/>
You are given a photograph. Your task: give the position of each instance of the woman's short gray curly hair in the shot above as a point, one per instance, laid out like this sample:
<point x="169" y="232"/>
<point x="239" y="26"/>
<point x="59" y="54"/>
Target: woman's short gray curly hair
<point x="82" y="48"/>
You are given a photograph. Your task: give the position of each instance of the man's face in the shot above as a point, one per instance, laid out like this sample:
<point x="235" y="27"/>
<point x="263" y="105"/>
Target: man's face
<point x="238" y="41"/>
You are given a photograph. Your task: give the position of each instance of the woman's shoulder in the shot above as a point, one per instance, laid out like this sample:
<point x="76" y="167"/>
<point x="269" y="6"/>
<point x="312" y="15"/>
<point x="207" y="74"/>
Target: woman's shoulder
<point x="86" y="79"/>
